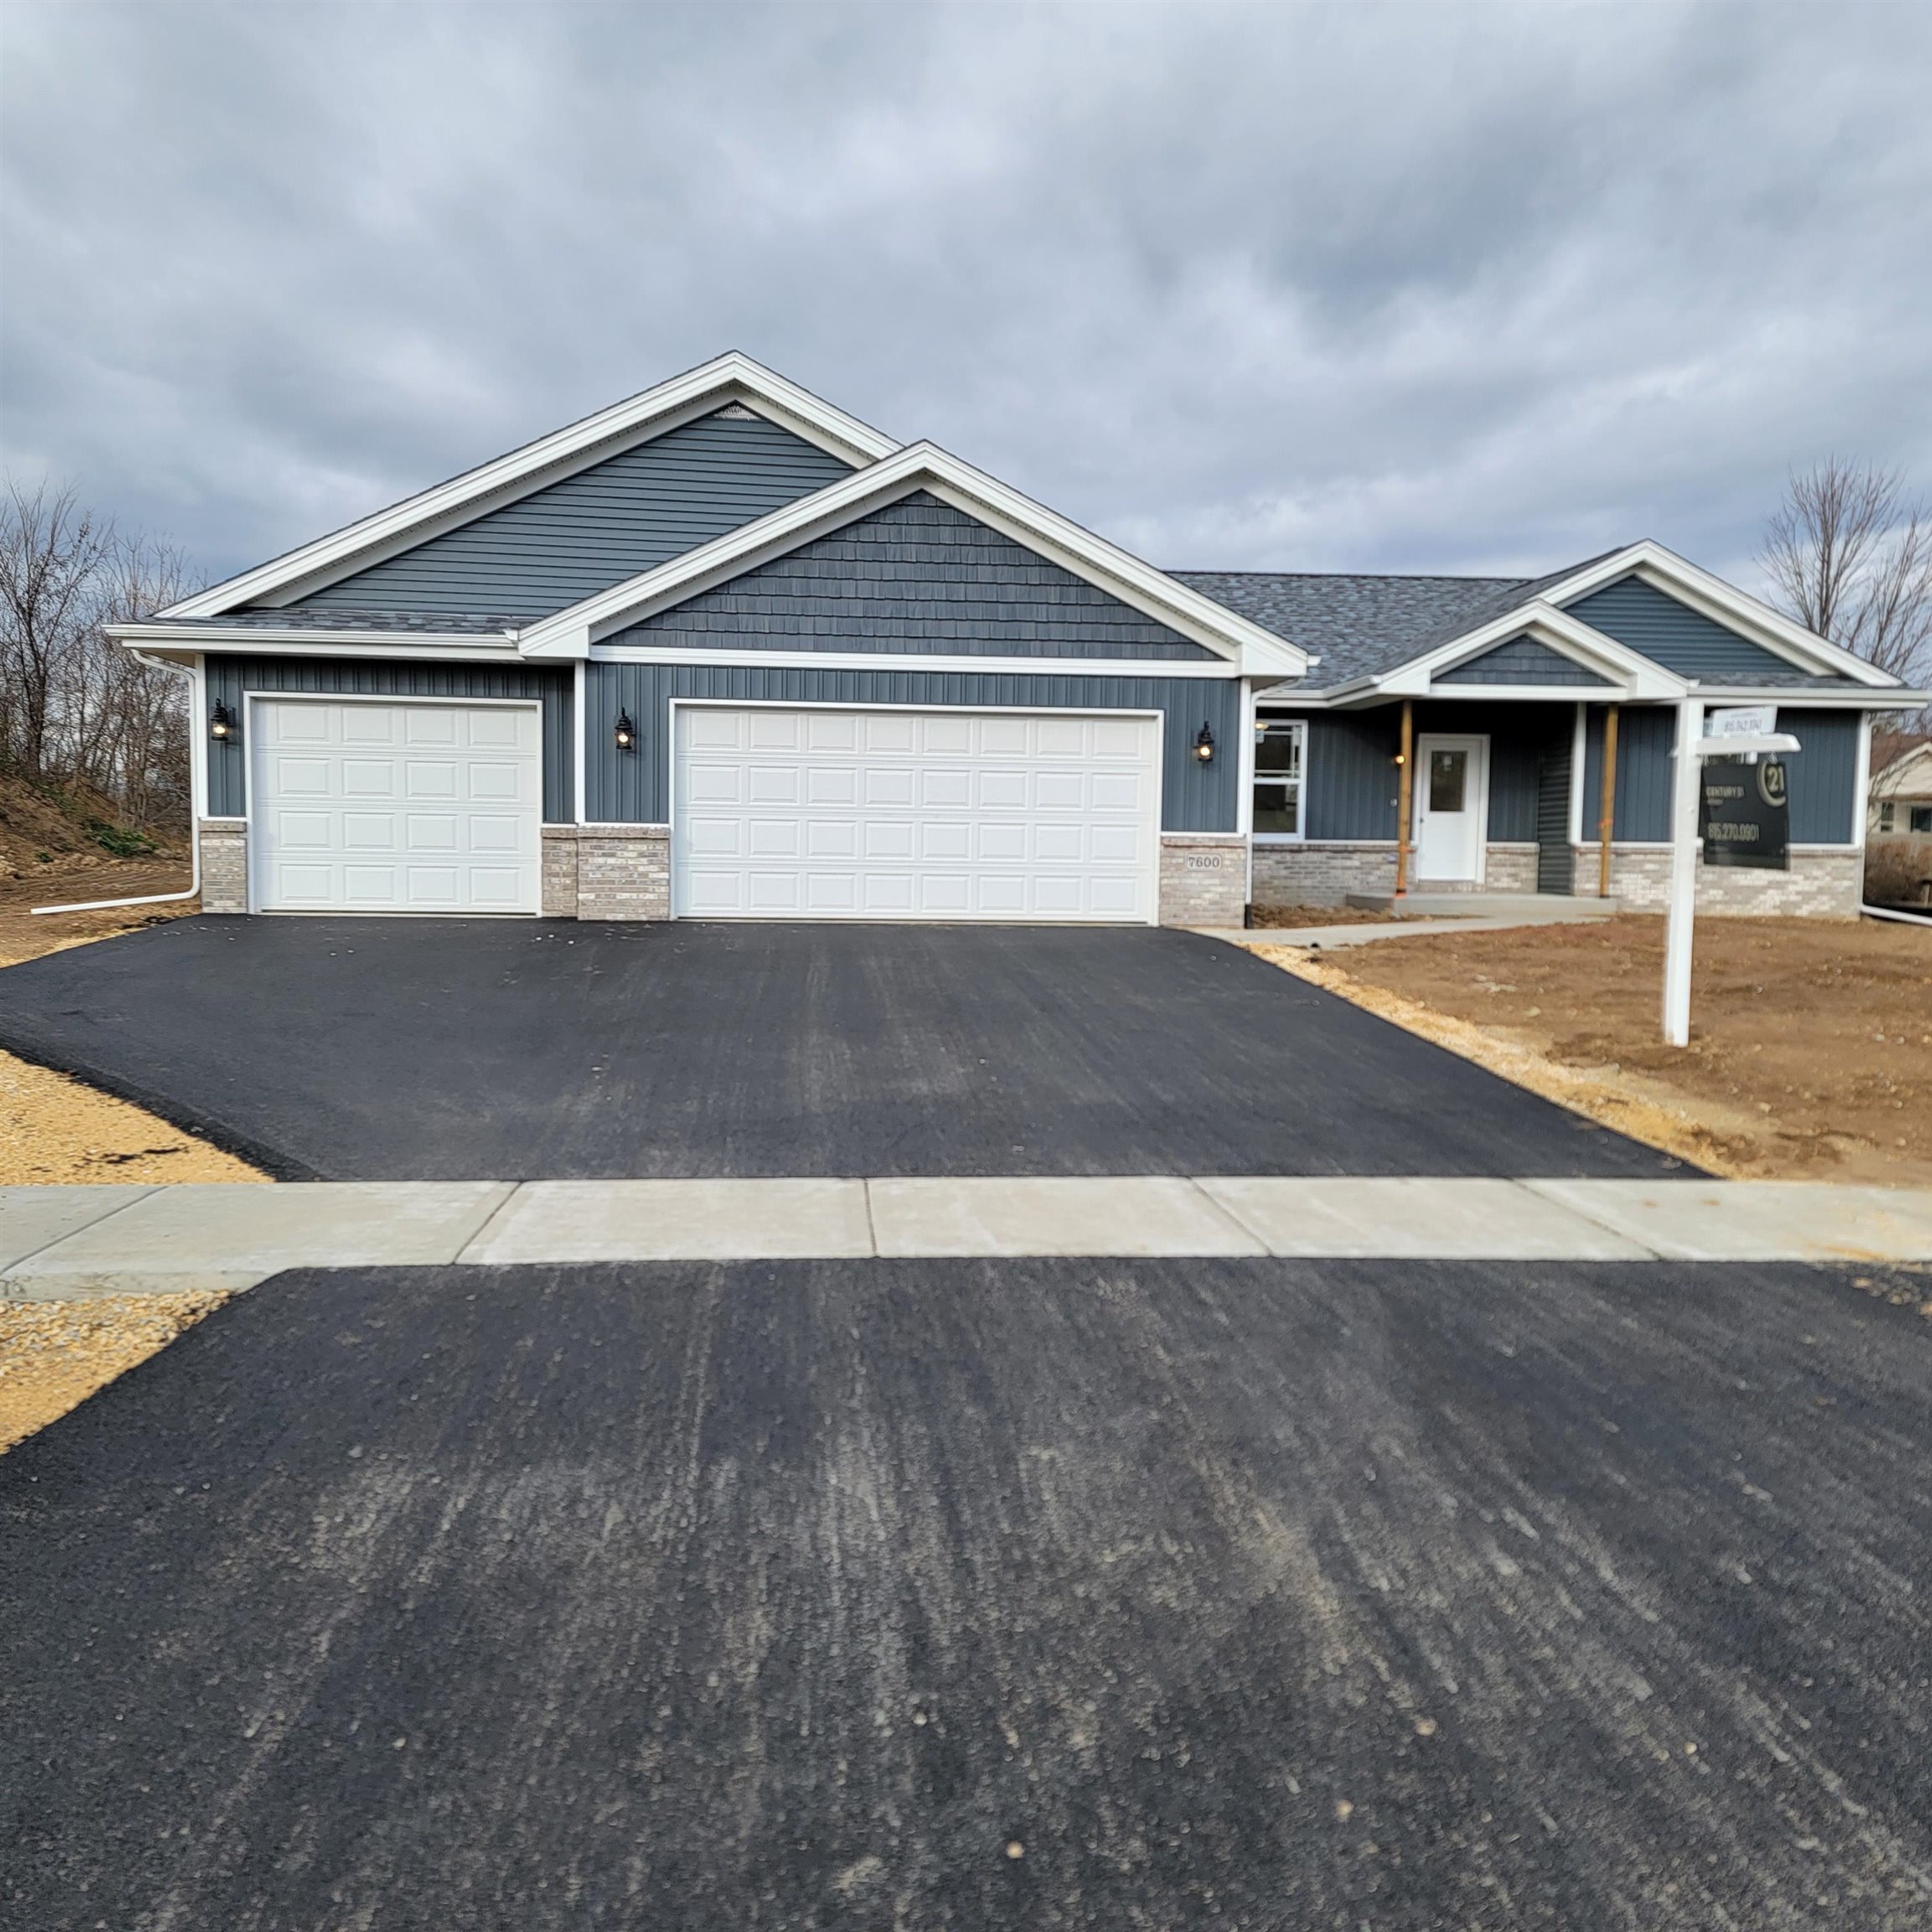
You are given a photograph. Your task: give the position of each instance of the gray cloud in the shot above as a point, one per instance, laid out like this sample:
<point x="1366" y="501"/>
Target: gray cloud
<point x="1370" y="287"/>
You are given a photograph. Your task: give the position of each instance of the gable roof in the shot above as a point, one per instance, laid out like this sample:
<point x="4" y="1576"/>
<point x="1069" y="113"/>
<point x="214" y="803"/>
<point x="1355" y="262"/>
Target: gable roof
<point x="1362" y="625"/>
<point x="595" y="527"/>
<point x="921" y="466"/>
<point x="732" y="378"/>
<point x="1377" y="632"/>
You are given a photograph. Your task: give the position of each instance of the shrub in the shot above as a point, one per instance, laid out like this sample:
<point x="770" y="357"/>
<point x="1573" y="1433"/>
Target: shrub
<point x="123" y="841"/>
<point x="1898" y="871"/>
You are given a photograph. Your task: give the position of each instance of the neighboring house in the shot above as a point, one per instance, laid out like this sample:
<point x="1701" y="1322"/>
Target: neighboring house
<point x="1901" y="800"/>
<point x="722" y="650"/>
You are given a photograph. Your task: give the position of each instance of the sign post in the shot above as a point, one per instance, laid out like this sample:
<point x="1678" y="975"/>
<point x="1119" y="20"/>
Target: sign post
<point x="1742" y="822"/>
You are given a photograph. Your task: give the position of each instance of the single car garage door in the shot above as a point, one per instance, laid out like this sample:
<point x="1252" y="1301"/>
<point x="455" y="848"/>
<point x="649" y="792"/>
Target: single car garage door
<point x="823" y="813"/>
<point x="372" y="806"/>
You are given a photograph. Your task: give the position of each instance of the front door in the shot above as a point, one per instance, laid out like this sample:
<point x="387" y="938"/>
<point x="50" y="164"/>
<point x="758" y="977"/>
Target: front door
<point x="1451" y="804"/>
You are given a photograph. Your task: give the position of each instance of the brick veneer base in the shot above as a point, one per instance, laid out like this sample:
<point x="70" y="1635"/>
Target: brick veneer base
<point x="1203" y="877"/>
<point x="623" y="871"/>
<point x="1821" y="883"/>
<point x="224" y="864"/>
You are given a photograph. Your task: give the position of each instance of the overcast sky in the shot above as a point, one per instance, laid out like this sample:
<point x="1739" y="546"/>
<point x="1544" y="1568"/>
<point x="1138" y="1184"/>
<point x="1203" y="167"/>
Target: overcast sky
<point x="1268" y="287"/>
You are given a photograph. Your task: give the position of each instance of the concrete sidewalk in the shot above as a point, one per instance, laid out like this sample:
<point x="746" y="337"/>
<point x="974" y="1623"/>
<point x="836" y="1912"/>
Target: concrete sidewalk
<point x="57" y="1243"/>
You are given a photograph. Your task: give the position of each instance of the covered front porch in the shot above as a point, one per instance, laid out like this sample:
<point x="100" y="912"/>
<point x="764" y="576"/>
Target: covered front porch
<point x="1436" y="796"/>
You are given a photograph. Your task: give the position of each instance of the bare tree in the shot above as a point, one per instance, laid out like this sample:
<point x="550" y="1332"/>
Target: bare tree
<point x="75" y="709"/>
<point x="1851" y="557"/>
<point x="51" y="556"/>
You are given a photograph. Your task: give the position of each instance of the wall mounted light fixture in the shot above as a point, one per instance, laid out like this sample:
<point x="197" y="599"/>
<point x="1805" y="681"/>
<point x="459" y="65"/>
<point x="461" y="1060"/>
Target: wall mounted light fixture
<point x="1204" y="744"/>
<point x="626" y="733"/>
<point x="221" y="722"/>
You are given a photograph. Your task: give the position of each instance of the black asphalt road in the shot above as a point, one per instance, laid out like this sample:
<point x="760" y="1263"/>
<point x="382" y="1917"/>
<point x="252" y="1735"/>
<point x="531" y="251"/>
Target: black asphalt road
<point x="1252" y="1594"/>
<point x="457" y="1050"/>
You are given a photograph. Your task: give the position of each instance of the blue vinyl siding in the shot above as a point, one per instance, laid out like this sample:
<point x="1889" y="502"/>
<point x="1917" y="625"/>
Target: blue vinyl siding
<point x="1521" y="660"/>
<point x="230" y="678"/>
<point x="1823" y="774"/>
<point x="917" y="576"/>
<point x="1353" y="779"/>
<point x="1644" y="737"/>
<point x="611" y="521"/>
<point x="1679" y="638"/>
<point x="635" y="787"/>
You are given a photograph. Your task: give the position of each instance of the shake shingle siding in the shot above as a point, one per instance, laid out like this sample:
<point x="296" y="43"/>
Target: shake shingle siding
<point x="605" y="524"/>
<point x="916" y="577"/>
<point x="1521" y="660"/>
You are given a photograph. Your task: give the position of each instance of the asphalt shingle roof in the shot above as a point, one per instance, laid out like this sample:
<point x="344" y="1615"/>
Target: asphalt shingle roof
<point x="335" y="617"/>
<point x="1361" y="626"/>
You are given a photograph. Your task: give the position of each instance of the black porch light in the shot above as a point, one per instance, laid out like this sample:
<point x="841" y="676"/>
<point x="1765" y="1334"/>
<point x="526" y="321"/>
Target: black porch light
<point x="626" y="733"/>
<point x="221" y="722"/>
<point x="1204" y="743"/>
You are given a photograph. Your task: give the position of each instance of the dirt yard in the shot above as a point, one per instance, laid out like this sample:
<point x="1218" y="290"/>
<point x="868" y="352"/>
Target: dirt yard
<point x="1811" y="1054"/>
<point x="54" y="1354"/>
<point x="1281" y="918"/>
<point x="54" y="1130"/>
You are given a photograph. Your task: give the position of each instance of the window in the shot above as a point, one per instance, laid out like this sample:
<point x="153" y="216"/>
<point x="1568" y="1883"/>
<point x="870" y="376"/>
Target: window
<point x="1279" y="747"/>
<point x="1886" y="816"/>
<point x="1447" y="773"/>
<point x="1922" y="818"/>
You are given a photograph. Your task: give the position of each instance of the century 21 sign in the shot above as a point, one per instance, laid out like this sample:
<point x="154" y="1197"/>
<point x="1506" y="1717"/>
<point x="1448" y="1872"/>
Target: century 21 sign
<point x="1746" y="819"/>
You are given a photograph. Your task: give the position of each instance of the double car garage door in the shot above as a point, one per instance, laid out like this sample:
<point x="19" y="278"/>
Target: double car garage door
<point x="776" y="813"/>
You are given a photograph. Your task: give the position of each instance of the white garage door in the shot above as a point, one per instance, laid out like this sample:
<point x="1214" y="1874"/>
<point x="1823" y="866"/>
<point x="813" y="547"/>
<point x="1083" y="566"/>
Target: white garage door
<point x="830" y="814"/>
<point x="358" y="807"/>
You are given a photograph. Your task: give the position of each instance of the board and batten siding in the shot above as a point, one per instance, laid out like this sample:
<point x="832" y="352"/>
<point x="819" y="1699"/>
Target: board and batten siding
<point x="634" y="787"/>
<point x="611" y="521"/>
<point x="231" y="679"/>
<point x="1822" y="776"/>
<point x="1352" y="780"/>
<point x="916" y="576"/>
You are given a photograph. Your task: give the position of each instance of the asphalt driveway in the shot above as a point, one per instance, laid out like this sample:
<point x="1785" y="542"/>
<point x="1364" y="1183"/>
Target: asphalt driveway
<point x="390" y="1050"/>
<point x="970" y="1596"/>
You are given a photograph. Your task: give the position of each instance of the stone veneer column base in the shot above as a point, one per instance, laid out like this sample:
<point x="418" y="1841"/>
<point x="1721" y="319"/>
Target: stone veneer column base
<point x="224" y="844"/>
<point x="622" y="872"/>
<point x="1203" y="877"/>
<point x="1826" y="883"/>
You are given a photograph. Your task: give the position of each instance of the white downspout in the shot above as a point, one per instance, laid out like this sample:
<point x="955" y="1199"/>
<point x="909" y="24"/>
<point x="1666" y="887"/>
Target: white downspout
<point x="197" y="785"/>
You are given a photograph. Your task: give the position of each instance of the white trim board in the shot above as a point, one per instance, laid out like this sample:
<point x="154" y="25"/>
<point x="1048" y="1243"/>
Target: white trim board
<point x="999" y="667"/>
<point x="729" y="378"/>
<point x="572" y="632"/>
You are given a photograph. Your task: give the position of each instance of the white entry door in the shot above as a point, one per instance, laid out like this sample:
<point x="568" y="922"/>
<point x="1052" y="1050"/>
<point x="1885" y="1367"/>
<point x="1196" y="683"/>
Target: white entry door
<point x="358" y="806"/>
<point x="821" y="814"/>
<point x="1451" y="807"/>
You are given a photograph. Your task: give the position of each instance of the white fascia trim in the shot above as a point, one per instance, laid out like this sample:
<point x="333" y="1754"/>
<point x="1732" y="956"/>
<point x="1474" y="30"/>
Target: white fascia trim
<point x="294" y="643"/>
<point x="1255" y="651"/>
<point x="1722" y="603"/>
<point x="1631" y="674"/>
<point x="1787" y="697"/>
<point x="1153" y="667"/>
<point x="729" y="378"/>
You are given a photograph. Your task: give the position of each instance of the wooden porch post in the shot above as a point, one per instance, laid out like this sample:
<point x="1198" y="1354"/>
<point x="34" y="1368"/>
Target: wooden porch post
<point x="1404" y="792"/>
<point x="1607" y="817"/>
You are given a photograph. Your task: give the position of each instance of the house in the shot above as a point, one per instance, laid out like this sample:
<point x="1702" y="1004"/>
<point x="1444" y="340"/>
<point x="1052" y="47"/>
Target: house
<point x="722" y="650"/>
<point x="1901" y="797"/>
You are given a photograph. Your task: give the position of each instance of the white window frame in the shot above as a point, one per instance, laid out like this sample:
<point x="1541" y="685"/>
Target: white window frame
<point x="1257" y="778"/>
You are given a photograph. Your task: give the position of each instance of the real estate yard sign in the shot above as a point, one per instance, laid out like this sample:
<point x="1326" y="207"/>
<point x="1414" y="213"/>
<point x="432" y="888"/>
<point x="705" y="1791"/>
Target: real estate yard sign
<point x="1746" y="819"/>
